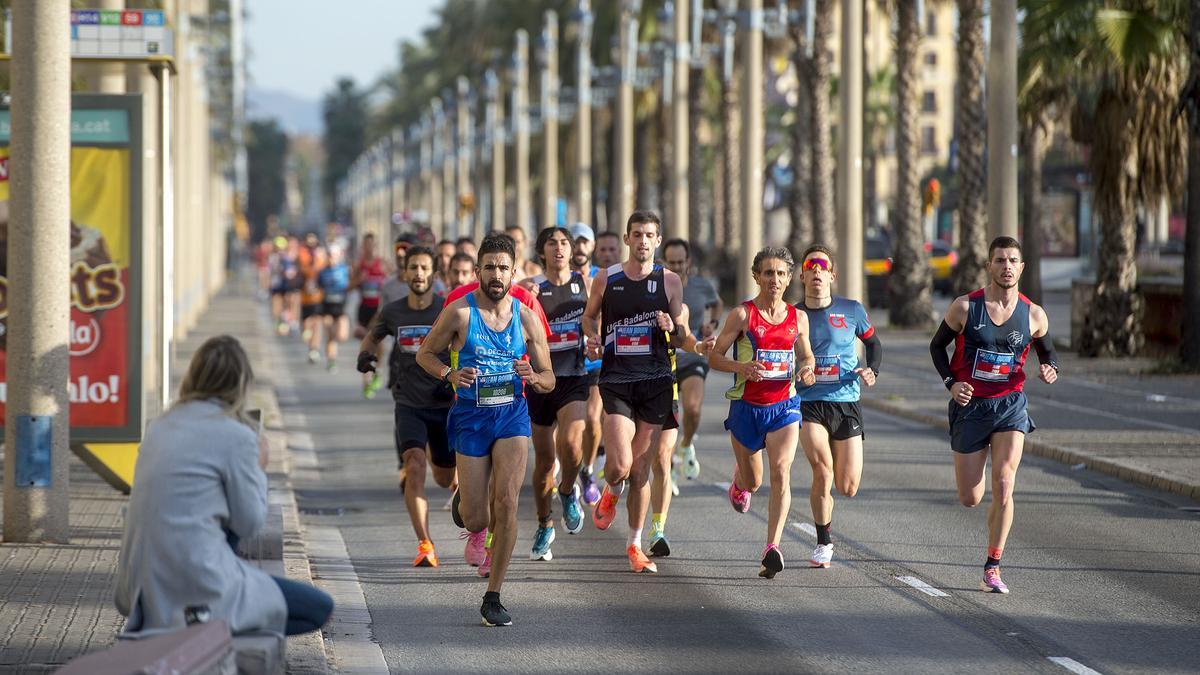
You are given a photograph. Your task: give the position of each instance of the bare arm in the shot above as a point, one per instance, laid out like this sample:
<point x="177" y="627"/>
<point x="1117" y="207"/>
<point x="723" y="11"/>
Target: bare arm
<point x="806" y="362"/>
<point x="449" y="324"/>
<point x="538" y="372"/>
<point x="591" y="312"/>
<point x="674" y="288"/>
<point x="735" y="323"/>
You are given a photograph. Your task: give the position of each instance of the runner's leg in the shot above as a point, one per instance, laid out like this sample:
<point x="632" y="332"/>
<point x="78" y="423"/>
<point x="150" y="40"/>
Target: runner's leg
<point x="1007" y="447"/>
<point x="847" y="465"/>
<point x="509" y="456"/>
<point x="691" y="395"/>
<point x="814" y="438"/>
<point x="543" y="470"/>
<point x="781" y="452"/>
<point x="414" y="491"/>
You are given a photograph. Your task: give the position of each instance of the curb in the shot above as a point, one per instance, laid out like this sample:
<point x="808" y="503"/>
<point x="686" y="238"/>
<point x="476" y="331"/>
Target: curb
<point x="1123" y="470"/>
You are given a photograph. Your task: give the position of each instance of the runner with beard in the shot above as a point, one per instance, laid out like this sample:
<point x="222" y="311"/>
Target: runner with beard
<point x="640" y="303"/>
<point x="422" y="401"/>
<point x="488" y="425"/>
<point x="581" y="262"/>
<point x="992" y="330"/>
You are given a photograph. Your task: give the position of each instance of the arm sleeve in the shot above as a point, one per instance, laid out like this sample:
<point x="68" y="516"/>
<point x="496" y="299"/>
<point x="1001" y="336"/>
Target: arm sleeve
<point x="874" y="349"/>
<point x="937" y="349"/>
<point x="1045" y="351"/>
<point x="245" y="485"/>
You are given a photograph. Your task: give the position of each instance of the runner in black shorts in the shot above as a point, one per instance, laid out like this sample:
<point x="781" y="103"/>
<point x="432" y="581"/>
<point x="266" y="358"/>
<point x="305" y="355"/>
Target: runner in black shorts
<point x="422" y="401"/>
<point x="832" y="433"/>
<point x="640" y="303"/>
<point x="563" y="295"/>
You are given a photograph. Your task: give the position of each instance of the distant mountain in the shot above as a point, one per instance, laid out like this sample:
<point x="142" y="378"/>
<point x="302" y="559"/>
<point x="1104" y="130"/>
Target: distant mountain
<point x="296" y="115"/>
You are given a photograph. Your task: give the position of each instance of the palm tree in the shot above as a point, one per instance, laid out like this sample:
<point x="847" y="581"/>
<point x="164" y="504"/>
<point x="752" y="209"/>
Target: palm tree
<point x="911" y="282"/>
<point x="1189" y="351"/>
<point x="799" y="199"/>
<point x="879" y="115"/>
<point x="971" y="133"/>
<point x="819" y="124"/>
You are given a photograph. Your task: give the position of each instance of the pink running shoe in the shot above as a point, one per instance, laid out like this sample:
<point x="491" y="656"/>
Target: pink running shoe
<point x="474" y="552"/>
<point x="739" y="498"/>
<point x="605" y="510"/>
<point x="991" y="581"/>
<point x="485" y="570"/>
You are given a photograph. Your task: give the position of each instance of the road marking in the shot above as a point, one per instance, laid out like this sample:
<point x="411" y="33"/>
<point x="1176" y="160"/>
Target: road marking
<point x="923" y="587"/>
<point x="1117" y="416"/>
<point x="354" y="649"/>
<point x="722" y="486"/>
<point x="1073" y="665"/>
<point x="807" y="528"/>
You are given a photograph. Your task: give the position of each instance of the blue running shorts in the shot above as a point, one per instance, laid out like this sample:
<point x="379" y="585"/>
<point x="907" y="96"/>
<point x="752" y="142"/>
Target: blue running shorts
<point x="474" y="429"/>
<point x="972" y="425"/>
<point x="750" y="423"/>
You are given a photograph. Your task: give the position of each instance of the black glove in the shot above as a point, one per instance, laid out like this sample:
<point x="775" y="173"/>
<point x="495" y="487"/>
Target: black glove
<point x="366" y="362"/>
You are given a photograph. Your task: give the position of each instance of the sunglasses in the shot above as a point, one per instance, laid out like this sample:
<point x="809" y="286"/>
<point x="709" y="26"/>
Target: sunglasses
<point x="813" y="263"/>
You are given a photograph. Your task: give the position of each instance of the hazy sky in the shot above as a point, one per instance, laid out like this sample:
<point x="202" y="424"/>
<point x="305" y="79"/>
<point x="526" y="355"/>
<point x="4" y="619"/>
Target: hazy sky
<point x="302" y="46"/>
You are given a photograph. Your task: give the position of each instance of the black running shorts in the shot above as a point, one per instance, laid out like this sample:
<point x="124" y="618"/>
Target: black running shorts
<point x="309" y="311"/>
<point x="418" y="427"/>
<point x="333" y="309"/>
<point x="365" y="314"/>
<point x="644" y="401"/>
<point x="543" y="408"/>
<point x="843" y="419"/>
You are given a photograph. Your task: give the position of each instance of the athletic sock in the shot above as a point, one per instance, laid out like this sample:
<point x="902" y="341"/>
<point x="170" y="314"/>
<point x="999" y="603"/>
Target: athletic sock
<point x="618" y="489"/>
<point x="487" y="541"/>
<point x="589" y="469"/>
<point x="658" y="523"/>
<point x="823" y="534"/>
<point x="635" y="537"/>
<point x="491" y="596"/>
<point x="544" y="522"/>
<point x="993" y="557"/>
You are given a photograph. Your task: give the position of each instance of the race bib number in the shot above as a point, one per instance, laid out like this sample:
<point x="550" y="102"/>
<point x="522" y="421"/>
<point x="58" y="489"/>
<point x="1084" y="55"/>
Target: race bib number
<point x="993" y="366"/>
<point x="777" y="363"/>
<point x="828" y="369"/>
<point x="370" y="289"/>
<point x="564" y="336"/>
<point x="409" y="338"/>
<point x="495" y="389"/>
<point x="633" y="340"/>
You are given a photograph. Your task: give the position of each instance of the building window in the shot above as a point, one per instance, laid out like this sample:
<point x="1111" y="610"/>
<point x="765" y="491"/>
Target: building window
<point x="929" y="102"/>
<point x="928" y="141"/>
<point x="930" y="22"/>
<point x="931" y="59"/>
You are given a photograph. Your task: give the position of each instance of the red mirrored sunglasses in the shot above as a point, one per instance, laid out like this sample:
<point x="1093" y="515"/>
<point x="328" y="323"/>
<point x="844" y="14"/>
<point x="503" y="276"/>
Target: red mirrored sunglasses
<point x="817" y="262"/>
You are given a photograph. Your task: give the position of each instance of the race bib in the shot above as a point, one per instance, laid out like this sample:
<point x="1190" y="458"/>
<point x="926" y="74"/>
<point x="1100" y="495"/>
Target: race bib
<point x="632" y="340"/>
<point x="409" y="338"/>
<point x="993" y="366"/>
<point x="369" y="289"/>
<point x="828" y="369"/>
<point x="335" y="297"/>
<point x="564" y="336"/>
<point x="777" y="363"/>
<point x="495" y="389"/>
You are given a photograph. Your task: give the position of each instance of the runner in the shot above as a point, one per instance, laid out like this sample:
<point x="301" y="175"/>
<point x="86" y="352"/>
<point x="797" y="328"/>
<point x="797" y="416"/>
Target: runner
<point x="441" y="281"/>
<point x="639" y="302"/>
<point x="284" y="272"/>
<point x="395" y="287"/>
<point x="581" y="262"/>
<point x="525" y="266"/>
<point x="608" y="249"/>
<point x="771" y="337"/>
<point x="422" y="401"/>
<point x="832" y="435"/>
<point x="462" y="270"/>
<point x="704" y="307"/>
<point x="992" y="330"/>
<point x="312" y="260"/>
<point x="488" y="425"/>
<point x="334" y="280"/>
<point x="368" y="277"/>
<point x="466" y="245"/>
<point x="563" y="295"/>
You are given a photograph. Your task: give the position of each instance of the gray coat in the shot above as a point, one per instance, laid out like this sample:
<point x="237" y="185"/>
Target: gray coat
<point x="197" y="475"/>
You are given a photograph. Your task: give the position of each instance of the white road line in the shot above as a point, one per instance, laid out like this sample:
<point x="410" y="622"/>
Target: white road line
<point x="354" y="650"/>
<point x="807" y="528"/>
<point x="722" y="486"/>
<point x="1073" y="665"/>
<point x="923" y="587"/>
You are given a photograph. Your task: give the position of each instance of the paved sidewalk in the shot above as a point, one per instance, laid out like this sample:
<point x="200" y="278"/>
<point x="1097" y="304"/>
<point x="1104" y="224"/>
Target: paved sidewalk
<point x="1110" y="415"/>
<point x="56" y="601"/>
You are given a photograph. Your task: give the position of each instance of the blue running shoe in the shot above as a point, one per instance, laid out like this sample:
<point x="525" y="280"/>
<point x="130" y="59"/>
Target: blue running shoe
<point x="572" y="511"/>
<point x="541" y="544"/>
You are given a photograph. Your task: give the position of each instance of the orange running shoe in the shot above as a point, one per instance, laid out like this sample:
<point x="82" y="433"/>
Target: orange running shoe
<point x="605" y="510"/>
<point x="426" y="556"/>
<point x="638" y="562"/>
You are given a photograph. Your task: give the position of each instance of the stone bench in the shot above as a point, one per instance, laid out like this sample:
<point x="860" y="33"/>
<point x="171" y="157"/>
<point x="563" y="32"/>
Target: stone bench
<point x="199" y="649"/>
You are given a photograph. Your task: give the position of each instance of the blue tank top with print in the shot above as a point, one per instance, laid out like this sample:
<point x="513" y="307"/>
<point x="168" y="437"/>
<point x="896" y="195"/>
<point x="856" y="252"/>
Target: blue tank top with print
<point x="492" y="354"/>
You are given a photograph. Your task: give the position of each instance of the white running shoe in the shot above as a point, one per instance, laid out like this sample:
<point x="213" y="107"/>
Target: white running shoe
<point x="822" y="555"/>
<point x="691" y="465"/>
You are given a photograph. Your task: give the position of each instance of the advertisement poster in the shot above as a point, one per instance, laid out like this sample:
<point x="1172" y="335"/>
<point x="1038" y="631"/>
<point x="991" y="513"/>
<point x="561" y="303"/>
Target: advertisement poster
<point x="104" y="392"/>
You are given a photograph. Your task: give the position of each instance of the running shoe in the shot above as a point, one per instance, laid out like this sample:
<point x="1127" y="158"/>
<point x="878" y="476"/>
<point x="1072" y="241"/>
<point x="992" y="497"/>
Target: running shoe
<point x="991" y="581"/>
<point x="426" y="556"/>
<point x="822" y="555"/>
<point x="674" y="478"/>
<point x="572" y="511"/>
<point x="659" y="546"/>
<point x="455" y="514"/>
<point x="494" y="613"/>
<point x="591" y="492"/>
<point x="772" y="562"/>
<point x="282" y="328"/>
<point x="474" y="553"/>
<point x="331" y="366"/>
<point x="638" y="562"/>
<point x="485" y="570"/>
<point x="739" y="498"/>
<point x="368" y="390"/>
<point x="313" y="356"/>
<point x="605" y="510"/>
<point x="377" y="381"/>
<point x="541" y="544"/>
<point x="691" y="465"/>
<point x="306" y="335"/>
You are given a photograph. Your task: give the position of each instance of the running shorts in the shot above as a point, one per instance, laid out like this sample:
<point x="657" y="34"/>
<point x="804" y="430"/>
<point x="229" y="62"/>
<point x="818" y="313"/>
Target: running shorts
<point x="843" y="419"/>
<point x="366" y="313"/>
<point x="750" y="423"/>
<point x="691" y="365"/>
<point x="421" y="427"/>
<point x="645" y="401"/>
<point x="309" y="311"/>
<point x="972" y="425"/>
<point x="333" y="309"/>
<point x="473" y="430"/>
<point x="543" y="408"/>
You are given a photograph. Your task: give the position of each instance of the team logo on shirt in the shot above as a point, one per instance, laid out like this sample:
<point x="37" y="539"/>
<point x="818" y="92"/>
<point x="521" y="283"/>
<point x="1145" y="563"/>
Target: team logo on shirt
<point x="837" y="320"/>
<point x="1015" y="338"/>
<point x="574" y="287"/>
<point x="760" y="330"/>
<point x="652" y="285"/>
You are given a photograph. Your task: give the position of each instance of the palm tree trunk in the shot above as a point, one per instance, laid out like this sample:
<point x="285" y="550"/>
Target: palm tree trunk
<point x="822" y="150"/>
<point x="799" y="200"/>
<point x="1189" y="351"/>
<point x="1034" y="142"/>
<point x="971" y="131"/>
<point x="731" y="131"/>
<point x="641" y="167"/>
<point x="700" y="198"/>
<point x="665" y="156"/>
<point x="911" y="280"/>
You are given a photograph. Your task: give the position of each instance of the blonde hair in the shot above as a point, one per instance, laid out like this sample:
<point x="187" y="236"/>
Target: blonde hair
<point x="219" y="370"/>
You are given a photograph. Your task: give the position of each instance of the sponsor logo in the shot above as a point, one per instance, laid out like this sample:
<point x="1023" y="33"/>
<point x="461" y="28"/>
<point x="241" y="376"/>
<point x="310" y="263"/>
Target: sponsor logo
<point x="1015" y="338"/>
<point x="652" y="285"/>
<point x="837" y="320"/>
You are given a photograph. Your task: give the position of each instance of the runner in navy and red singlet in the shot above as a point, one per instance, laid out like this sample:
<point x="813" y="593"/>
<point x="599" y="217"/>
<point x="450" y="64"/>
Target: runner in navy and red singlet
<point x="992" y="330"/>
<point x="772" y="351"/>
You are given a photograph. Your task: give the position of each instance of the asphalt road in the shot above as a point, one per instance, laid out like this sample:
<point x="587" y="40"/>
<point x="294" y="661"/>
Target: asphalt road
<point x="1103" y="574"/>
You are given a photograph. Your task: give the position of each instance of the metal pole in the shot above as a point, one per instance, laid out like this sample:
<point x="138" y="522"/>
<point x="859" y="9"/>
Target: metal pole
<point x="437" y="216"/>
<point x="450" y="187"/>
<point x="466" y="216"/>
<point x="549" y="91"/>
<point x="1002" y="120"/>
<point x="583" y="134"/>
<point x="167" y="235"/>
<point x="752" y="146"/>
<point x="677" y="222"/>
<point x="520" y="110"/>
<point x="36" y="421"/>
<point x="108" y="78"/>
<point x="624" y="199"/>
<point x="495" y="122"/>
<point x="850" y="149"/>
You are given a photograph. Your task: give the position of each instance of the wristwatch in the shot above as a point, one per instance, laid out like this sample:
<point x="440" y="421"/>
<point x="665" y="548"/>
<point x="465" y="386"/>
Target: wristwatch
<point x="446" y="375"/>
<point x="948" y="382"/>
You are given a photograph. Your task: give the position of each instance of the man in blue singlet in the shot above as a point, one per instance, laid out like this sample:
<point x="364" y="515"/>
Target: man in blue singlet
<point x="488" y="425"/>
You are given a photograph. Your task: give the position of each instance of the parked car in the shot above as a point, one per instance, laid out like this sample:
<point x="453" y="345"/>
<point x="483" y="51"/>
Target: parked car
<point x="877" y="266"/>
<point x="942" y="258"/>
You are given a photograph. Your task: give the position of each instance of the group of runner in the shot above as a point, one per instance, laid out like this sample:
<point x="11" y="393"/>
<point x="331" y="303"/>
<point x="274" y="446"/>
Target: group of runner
<point x="573" y="349"/>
